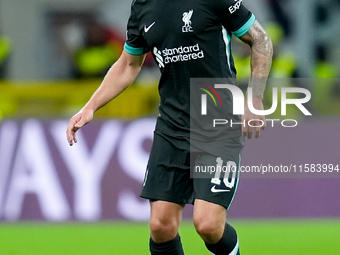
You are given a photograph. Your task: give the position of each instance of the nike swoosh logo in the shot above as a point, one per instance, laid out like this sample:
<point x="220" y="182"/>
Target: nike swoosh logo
<point x="146" y="29"/>
<point x="214" y="190"/>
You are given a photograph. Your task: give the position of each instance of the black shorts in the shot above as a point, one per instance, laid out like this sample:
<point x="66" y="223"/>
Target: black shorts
<point x="181" y="172"/>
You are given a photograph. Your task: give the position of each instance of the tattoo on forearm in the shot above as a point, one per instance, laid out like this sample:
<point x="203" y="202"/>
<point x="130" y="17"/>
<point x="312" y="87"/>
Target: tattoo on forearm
<point x="261" y="58"/>
<point x="258" y="85"/>
<point x="260" y="40"/>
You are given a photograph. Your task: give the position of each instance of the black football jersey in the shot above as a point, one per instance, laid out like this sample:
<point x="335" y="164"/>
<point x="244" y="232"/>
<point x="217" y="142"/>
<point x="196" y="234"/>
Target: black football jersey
<point x="188" y="39"/>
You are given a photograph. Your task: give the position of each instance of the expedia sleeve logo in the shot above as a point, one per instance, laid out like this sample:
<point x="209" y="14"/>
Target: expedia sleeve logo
<point x="235" y="6"/>
<point x="182" y="53"/>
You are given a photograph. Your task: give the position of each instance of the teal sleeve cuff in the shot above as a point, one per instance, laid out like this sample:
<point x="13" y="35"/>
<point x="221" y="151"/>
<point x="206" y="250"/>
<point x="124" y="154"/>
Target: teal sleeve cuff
<point x="132" y="50"/>
<point x="245" y="27"/>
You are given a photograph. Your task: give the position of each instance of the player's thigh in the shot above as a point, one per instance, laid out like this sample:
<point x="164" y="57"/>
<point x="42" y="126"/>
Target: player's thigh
<point x="208" y="213"/>
<point x="165" y="219"/>
<point x="166" y="211"/>
<point x="209" y="220"/>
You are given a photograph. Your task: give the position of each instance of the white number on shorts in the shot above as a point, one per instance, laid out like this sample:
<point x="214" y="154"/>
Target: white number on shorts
<point x="229" y="169"/>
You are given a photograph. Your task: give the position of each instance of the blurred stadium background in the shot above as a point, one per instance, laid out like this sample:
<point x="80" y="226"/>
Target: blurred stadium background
<point x="84" y="200"/>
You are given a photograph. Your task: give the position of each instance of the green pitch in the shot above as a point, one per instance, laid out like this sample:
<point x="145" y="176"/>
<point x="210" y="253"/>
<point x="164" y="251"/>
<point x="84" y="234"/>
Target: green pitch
<point x="272" y="237"/>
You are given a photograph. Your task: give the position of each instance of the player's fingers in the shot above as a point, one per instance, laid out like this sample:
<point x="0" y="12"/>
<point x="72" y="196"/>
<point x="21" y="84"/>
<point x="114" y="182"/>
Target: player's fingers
<point x="257" y="132"/>
<point x="70" y="134"/>
<point x="244" y="132"/>
<point x="71" y="130"/>
<point x="250" y="133"/>
<point x="260" y="125"/>
<point x="244" y="128"/>
<point x="248" y="130"/>
<point x="264" y="124"/>
<point x="75" y="136"/>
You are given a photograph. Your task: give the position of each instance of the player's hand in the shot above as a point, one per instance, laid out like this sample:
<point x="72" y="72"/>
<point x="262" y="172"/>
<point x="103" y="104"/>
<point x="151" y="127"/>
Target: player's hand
<point x="248" y="116"/>
<point x="83" y="117"/>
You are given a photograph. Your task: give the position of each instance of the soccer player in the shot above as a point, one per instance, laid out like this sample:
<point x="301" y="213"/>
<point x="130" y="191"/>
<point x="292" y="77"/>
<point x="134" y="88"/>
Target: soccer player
<point x="188" y="39"/>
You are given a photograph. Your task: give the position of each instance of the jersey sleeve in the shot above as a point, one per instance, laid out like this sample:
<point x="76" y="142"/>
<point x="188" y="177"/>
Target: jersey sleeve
<point x="135" y="43"/>
<point x="234" y="16"/>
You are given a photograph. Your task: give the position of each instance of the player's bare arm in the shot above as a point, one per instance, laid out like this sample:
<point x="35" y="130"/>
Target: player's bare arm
<point x="261" y="59"/>
<point x="117" y="79"/>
